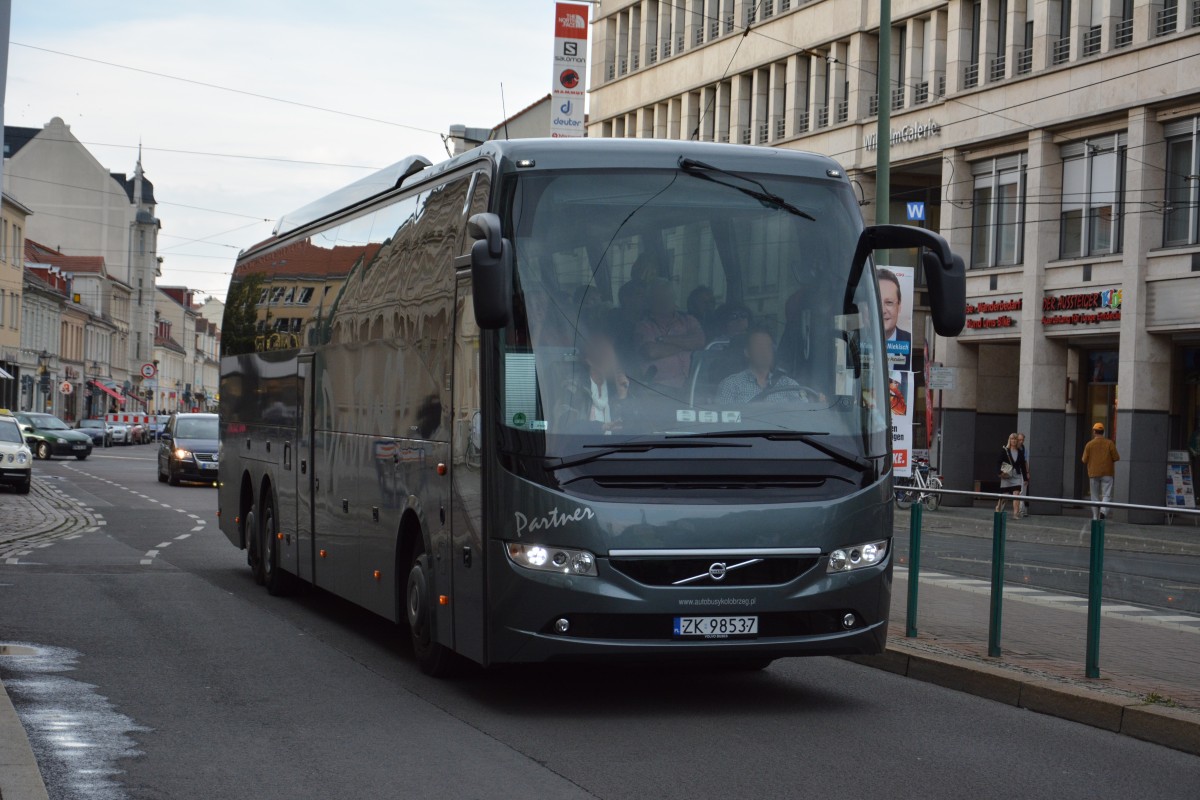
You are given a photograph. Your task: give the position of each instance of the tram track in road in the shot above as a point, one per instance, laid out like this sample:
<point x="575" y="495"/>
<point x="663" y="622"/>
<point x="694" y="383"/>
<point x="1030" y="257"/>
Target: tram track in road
<point x="1156" y="582"/>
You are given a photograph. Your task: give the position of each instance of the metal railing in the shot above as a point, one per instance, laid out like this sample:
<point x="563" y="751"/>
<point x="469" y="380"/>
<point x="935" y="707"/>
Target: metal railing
<point x="842" y="111"/>
<point x="823" y="117"/>
<point x="873" y="105"/>
<point x="897" y="98"/>
<point x="1166" y="21"/>
<point x="996" y="595"/>
<point x="1123" y="32"/>
<point x="1061" y="51"/>
<point x="997" y="68"/>
<point x="970" y="76"/>
<point x="1091" y="41"/>
<point x="780" y="128"/>
<point x="920" y="93"/>
<point x="1024" y="61"/>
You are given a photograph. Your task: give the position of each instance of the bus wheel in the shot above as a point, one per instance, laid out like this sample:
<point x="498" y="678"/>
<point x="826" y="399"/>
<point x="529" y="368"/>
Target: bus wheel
<point x="253" y="539"/>
<point x="433" y="659"/>
<point x="277" y="581"/>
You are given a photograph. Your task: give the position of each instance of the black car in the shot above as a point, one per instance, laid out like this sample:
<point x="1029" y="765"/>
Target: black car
<point x="97" y="429"/>
<point x="188" y="449"/>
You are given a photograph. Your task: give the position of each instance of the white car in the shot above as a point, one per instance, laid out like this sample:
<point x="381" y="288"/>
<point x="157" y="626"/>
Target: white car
<point x="118" y="433"/>
<point x="16" y="459"/>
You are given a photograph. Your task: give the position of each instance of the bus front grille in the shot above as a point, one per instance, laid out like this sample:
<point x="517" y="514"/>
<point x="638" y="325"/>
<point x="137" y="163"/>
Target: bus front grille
<point x="708" y="572"/>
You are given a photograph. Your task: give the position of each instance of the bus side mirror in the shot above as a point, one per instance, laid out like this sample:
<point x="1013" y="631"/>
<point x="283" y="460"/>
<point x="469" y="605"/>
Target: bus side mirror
<point x="945" y="273"/>
<point x="491" y="271"/>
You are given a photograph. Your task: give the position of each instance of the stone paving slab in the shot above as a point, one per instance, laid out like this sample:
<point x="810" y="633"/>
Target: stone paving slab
<point x="46" y="513"/>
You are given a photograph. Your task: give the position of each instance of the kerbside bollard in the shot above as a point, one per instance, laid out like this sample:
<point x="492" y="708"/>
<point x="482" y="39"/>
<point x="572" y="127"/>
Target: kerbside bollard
<point x="1095" y="587"/>
<point x="914" y="569"/>
<point x="998" y="529"/>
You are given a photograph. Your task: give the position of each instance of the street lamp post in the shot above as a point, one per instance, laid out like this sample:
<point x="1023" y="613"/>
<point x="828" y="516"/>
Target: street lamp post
<point x="44" y="379"/>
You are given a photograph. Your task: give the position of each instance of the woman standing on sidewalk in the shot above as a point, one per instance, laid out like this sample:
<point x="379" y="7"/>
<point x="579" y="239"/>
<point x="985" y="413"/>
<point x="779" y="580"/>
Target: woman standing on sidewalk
<point x="1012" y="473"/>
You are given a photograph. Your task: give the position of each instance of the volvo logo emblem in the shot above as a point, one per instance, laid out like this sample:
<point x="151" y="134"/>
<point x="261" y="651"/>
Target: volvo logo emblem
<point x="717" y="571"/>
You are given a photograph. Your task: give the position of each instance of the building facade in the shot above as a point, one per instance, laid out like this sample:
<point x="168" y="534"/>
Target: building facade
<point x="13" y="216"/>
<point x="1054" y="143"/>
<point x="83" y="209"/>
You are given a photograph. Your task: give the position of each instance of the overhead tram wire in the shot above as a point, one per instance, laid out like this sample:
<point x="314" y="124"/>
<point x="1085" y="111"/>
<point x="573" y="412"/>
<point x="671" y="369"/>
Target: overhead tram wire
<point x="156" y="202"/>
<point x="704" y="112"/>
<point x="231" y="89"/>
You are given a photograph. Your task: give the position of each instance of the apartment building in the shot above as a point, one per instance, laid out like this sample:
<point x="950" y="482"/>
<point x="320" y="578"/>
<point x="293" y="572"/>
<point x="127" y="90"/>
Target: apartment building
<point x="1054" y="143"/>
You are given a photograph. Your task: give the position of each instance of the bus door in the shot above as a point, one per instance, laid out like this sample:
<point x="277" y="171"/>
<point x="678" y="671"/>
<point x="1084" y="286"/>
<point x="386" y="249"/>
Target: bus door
<point x="305" y="470"/>
<point x="466" y="506"/>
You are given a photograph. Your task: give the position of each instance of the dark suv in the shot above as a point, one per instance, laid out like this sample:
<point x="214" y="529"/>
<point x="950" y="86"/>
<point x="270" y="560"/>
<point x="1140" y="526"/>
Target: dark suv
<point x="188" y="449"/>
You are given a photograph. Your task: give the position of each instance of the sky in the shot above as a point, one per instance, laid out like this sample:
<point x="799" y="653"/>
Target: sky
<point x="226" y="166"/>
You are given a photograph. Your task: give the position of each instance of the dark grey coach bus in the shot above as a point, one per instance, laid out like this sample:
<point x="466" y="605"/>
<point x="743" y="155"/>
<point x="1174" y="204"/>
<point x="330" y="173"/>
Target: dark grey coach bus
<point x="576" y="399"/>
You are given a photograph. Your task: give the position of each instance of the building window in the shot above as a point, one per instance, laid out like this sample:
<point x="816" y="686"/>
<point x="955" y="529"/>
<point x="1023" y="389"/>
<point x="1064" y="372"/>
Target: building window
<point x="998" y="212"/>
<point x="1093" y="183"/>
<point x="305" y="295"/>
<point x="1182" y="223"/>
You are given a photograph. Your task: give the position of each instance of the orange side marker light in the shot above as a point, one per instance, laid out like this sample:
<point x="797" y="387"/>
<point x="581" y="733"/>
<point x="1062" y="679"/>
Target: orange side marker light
<point x="323" y="554"/>
<point x="443" y="599"/>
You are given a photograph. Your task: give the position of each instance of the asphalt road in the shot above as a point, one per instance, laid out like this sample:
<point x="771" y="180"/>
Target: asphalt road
<point x="179" y="678"/>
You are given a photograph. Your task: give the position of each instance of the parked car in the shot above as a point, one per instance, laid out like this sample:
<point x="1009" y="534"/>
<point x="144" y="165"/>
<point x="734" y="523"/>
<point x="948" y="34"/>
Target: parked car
<point x="16" y="460"/>
<point x="49" y="436"/>
<point x="96" y="429"/>
<point x="137" y="433"/>
<point x="118" y="433"/>
<point x="188" y="449"/>
<point x="158" y="424"/>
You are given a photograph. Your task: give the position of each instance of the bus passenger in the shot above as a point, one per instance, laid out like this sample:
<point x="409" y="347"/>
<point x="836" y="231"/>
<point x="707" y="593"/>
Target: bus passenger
<point x="667" y="338"/>
<point x="596" y="397"/>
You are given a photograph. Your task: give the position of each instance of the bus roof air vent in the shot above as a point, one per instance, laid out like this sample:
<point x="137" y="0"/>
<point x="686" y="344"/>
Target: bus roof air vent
<point x="361" y="190"/>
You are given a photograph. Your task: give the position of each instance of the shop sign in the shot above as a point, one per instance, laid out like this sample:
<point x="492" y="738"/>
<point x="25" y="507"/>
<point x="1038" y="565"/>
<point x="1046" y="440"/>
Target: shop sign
<point x="977" y="321"/>
<point x="1088" y="308"/>
<point x="909" y="133"/>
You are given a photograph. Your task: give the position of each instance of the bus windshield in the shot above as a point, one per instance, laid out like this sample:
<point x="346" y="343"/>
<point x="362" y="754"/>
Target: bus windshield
<point x="658" y="303"/>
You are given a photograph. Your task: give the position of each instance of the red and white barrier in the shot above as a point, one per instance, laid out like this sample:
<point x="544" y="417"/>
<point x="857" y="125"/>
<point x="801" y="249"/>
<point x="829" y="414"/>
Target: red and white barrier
<point x="129" y="419"/>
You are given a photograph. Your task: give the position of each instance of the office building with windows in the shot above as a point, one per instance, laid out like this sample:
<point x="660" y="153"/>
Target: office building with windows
<point x="1054" y="143"/>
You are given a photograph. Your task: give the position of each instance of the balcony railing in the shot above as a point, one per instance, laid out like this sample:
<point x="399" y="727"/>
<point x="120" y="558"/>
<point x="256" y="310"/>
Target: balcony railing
<point x="714" y="29"/>
<point x="612" y="71"/>
<point x="624" y="65"/>
<point x="1091" y="41"/>
<point x="724" y="138"/>
<point x="768" y="8"/>
<point x="1123" y="32"/>
<point x="764" y="132"/>
<point x="751" y="14"/>
<point x="780" y="128"/>
<point x="666" y="48"/>
<point x="1061" y="51"/>
<point x="1025" y="61"/>
<point x="1195" y="15"/>
<point x="941" y="86"/>
<point x="680" y="40"/>
<point x="784" y="5"/>
<point x="921" y="93"/>
<point x="823" y="117"/>
<point x="745" y="135"/>
<point x="970" y="76"/>
<point x="1166" y="21"/>
<point x="802" y="121"/>
<point x="634" y="64"/>
<point x="842" y="111"/>
<point x="700" y="34"/>
<point x="897" y="98"/>
<point x="651" y="54"/>
<point x="873" y="105"/>
<point x="729" y="22"/>
<point x="996" y="69"/>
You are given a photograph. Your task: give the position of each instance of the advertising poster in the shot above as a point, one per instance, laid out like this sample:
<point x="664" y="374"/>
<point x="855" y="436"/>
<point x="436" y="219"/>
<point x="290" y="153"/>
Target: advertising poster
<point x="895" y="297"/>
<point x="570" y="69"/>
<point x="1181" y="489"/>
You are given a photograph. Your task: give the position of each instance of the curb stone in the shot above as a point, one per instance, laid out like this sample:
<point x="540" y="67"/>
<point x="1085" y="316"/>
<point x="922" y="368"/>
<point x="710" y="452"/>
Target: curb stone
<point x="20" y="778"/>
<point x="1176" y="728"/>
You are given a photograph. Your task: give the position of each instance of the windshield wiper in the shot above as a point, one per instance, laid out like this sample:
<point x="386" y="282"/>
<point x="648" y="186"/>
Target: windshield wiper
<point x="763" y="195"/>
<point x="844" y="457"/>
<point x="632" y="447"/>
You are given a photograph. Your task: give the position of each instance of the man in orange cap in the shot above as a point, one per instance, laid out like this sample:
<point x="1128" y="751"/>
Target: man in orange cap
<point x="1100" y="454"/>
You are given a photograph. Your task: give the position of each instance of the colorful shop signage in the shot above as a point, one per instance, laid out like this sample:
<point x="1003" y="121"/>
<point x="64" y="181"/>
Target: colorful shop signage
<point x="1087" y="308"/>
<point x="979" y="314"/>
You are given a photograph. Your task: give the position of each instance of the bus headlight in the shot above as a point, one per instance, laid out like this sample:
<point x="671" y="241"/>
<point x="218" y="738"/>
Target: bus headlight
<point x="552" y="559"/>
<point x="846" y="559"/>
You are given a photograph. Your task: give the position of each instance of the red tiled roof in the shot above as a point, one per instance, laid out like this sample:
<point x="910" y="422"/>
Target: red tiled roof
<point x="303" y="259"/>
<point x="41" y="254"/>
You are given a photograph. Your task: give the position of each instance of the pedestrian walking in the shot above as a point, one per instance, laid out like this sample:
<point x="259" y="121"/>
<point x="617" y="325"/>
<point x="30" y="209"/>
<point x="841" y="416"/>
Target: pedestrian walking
<point x="1024" y="512"/>
<point x="1099" y="455"/>
<point x="1012" y="472"/>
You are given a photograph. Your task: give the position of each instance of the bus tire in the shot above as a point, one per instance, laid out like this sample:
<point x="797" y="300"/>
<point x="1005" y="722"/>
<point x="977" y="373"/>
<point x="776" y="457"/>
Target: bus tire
<point x="434" y="659"/>
<point x="250" y="533"/>
<point x="277" y="581"/>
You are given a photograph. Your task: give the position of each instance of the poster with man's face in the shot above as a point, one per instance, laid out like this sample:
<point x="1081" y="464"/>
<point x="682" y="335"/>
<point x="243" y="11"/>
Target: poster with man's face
<point x="896" y="298"/>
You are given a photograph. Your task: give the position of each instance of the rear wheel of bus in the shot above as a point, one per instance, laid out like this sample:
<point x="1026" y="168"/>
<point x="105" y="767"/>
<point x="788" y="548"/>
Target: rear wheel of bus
<point x="278" y="582"/>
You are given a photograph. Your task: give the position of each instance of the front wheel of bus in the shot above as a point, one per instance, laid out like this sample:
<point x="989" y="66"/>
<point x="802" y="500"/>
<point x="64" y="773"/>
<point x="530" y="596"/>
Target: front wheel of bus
<point x="433" y="659"/>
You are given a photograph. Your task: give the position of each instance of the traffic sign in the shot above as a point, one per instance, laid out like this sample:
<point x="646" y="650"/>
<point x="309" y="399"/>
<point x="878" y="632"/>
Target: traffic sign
<point x="65" y="387"/>
<point x="149" y="371"/>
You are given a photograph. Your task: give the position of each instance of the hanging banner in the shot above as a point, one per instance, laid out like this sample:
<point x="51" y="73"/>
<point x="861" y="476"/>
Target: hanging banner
<point x="896" y="296"/>
<point x="570" y="70"/>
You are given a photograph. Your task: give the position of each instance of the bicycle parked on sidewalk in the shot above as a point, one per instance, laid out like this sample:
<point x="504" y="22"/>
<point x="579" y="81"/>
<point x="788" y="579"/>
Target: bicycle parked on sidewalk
<point x="911" y="490"/>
